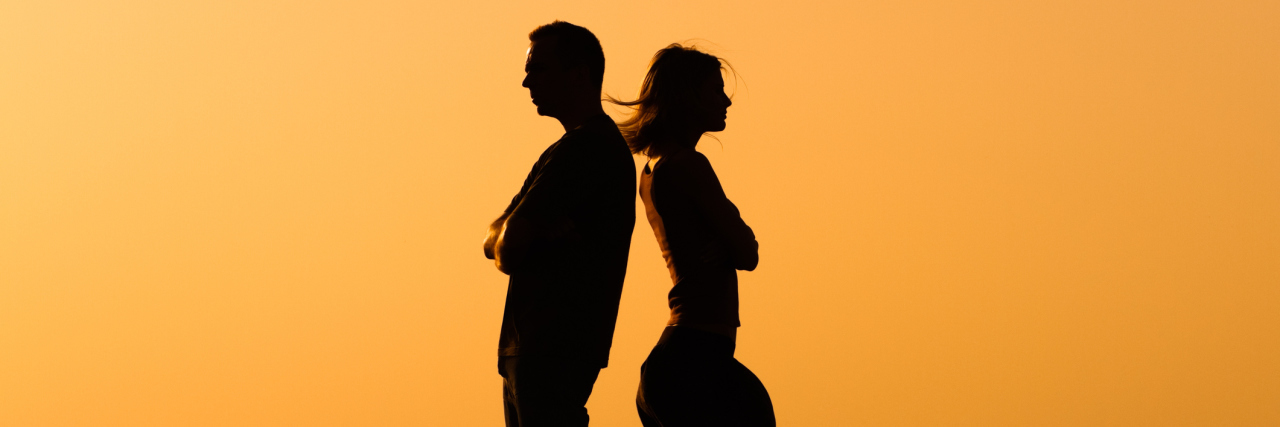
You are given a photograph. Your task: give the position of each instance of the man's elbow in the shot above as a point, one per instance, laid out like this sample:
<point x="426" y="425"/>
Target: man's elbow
<point x="511" y="245"/>
<point x="491" y="238"/>
<point x="504" y="259"/>
<point x="503" y="267"/>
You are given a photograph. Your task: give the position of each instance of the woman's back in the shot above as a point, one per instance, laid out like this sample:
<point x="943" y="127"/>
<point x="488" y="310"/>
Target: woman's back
<point x="691" y="377"/>
<point x="702" y="236"/>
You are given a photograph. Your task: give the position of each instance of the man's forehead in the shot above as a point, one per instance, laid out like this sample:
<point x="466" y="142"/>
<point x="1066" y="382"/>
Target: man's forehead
<point x="540" y="49"/>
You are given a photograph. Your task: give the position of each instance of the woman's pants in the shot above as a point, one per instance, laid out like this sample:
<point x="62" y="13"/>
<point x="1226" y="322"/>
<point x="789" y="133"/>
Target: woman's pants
<point x="692" y="379"/>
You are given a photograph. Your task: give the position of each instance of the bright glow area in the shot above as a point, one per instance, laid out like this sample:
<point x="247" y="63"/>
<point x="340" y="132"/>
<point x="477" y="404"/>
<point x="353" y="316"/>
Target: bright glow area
<point x="975" y="213"/>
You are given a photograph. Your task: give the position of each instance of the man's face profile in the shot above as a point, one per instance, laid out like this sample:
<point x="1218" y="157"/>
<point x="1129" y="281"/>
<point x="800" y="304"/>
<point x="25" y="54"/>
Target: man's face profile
<point x="546" y="79"/>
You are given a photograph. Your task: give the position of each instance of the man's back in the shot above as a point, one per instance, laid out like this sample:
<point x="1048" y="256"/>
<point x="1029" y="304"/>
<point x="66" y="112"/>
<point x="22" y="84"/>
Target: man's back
<point x="564" y="301"/>
<point x="564" y="239"/>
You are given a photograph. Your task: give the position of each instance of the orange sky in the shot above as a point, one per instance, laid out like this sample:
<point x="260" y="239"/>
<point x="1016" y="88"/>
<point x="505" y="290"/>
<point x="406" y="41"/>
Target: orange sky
<point x="970" y="214"/>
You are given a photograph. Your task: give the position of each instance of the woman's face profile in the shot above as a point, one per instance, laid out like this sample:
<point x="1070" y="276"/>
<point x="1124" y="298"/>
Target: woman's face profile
<point x="713" y="104"/>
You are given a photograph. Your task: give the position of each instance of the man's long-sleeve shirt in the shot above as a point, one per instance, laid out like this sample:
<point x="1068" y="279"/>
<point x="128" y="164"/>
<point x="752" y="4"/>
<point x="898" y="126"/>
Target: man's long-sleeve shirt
<point x="564" y="298"/>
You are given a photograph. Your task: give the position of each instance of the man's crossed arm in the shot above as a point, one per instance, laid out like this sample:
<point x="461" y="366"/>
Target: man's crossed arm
<point x="511" y="235"/>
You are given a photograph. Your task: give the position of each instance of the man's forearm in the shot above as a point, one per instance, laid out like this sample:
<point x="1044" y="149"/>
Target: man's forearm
<point x="512" y="244"/>
<point x="517" y="234"/>
<point x="491" y="238"/>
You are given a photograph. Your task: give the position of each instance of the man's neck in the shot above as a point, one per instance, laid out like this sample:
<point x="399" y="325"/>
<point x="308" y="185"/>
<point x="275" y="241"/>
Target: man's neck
<point x="572" y="119"/>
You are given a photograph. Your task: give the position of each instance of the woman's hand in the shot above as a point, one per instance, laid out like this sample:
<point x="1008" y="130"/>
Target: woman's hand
<point x="713" y="254"/>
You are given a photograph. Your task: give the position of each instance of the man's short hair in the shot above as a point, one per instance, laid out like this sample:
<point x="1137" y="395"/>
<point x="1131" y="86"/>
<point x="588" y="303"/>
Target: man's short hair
<point x="575" y="46"/>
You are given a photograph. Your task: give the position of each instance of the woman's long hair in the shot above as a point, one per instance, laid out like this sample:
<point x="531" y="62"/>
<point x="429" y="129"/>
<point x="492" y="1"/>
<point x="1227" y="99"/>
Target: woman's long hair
<point x="667" y="98"/>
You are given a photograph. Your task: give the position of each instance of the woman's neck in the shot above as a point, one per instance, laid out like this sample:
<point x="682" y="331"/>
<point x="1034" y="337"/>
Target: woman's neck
<point x="688" y="139"/>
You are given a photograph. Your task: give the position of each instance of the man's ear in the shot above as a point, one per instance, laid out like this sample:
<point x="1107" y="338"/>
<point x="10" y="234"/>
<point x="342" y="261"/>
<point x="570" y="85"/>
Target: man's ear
<point x="580" y="73"/>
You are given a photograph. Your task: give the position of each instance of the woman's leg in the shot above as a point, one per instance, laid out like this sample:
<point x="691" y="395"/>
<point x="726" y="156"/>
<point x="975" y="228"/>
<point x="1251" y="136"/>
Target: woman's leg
<point x="750" y="404"/>
<point x="647" y="417"/>
<point x="677" y="382"/>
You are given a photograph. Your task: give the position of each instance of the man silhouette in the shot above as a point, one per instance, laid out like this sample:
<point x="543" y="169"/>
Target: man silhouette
<point x="563" y="239"/>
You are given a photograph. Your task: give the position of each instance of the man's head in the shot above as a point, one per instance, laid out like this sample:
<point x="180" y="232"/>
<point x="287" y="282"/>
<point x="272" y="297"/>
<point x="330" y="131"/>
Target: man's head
<point x="564" y="69"/>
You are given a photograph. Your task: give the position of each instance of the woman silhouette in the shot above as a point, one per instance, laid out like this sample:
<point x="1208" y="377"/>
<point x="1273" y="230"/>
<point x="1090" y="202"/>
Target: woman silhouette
<point x="691" y="377"/>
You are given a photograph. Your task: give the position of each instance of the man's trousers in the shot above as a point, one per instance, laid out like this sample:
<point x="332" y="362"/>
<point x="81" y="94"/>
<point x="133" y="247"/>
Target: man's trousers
<point x="546" y="390"/>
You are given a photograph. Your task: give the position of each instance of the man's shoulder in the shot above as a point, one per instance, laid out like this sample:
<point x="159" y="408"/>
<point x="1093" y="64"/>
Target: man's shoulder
<point x="594" y="141"/>
<point x="597" y="127"/>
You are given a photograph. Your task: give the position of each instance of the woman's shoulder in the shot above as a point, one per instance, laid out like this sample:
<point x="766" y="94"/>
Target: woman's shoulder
<point x="685" y="159"/>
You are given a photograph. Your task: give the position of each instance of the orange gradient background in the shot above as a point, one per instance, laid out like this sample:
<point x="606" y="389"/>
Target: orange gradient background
<point x="984" y="213"/>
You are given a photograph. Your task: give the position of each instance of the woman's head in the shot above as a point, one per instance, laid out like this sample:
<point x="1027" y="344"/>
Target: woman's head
<point x="682" y="94"/>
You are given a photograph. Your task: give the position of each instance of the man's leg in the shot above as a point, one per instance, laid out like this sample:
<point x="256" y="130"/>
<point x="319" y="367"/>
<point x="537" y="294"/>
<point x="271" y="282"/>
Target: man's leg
<point x="548" y="390"/>
<point x="508" y="393"/>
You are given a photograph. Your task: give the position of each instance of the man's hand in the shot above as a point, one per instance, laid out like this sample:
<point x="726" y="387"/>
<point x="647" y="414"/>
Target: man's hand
<point x="512" y="243"/>
<point x="491" y="239"/>
<point x="517" y="233"/>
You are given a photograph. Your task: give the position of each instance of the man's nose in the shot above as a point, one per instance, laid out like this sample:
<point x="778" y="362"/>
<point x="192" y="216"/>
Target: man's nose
<point x="525" y="83"/>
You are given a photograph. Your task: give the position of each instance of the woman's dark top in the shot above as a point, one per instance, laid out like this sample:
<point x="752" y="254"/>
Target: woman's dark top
<point x="702" y="237"/>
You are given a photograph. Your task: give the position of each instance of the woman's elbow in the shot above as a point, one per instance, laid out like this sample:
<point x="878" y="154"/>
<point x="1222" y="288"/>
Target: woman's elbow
<point x="748" y="259"/>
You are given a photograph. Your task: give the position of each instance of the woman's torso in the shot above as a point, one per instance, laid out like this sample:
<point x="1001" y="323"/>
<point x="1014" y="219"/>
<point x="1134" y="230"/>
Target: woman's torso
<point x="682" y="205"/>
